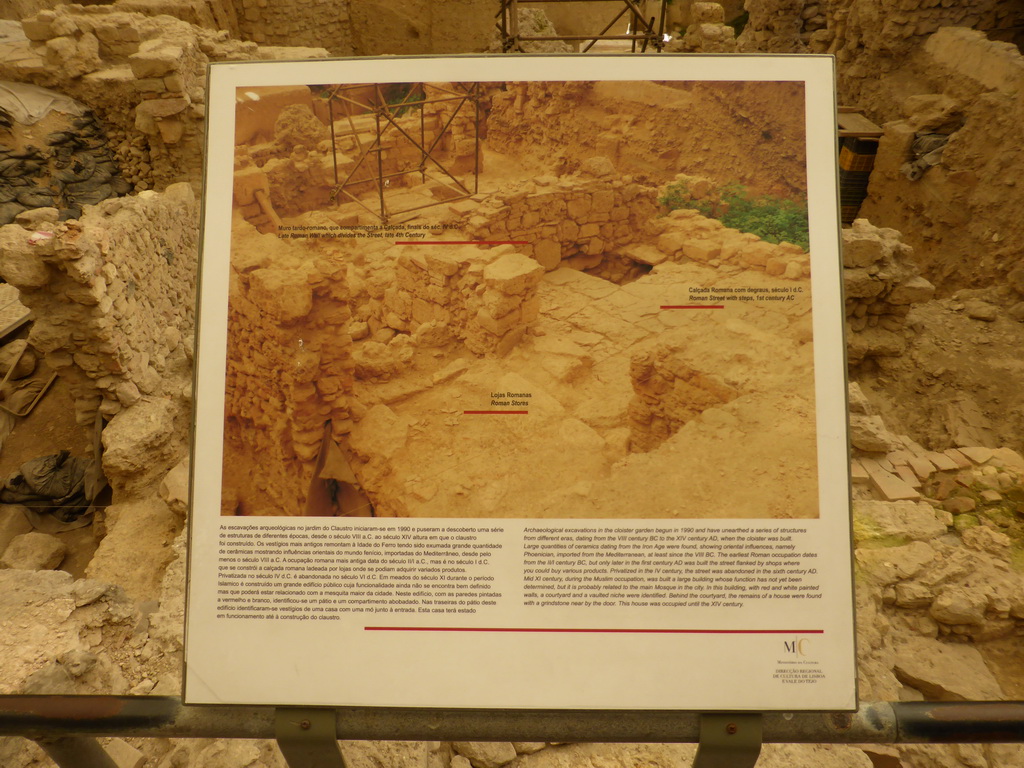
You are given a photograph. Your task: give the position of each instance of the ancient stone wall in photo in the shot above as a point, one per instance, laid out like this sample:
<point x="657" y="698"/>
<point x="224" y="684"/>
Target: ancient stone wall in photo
<point x="289" y="371"/>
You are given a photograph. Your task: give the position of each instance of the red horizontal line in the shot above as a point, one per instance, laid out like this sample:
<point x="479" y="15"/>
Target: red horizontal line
<point x="692" y="306"/>
<point x="489" y="413"/>
<point x="607" y="631"/>
<point x="462" y="242"/>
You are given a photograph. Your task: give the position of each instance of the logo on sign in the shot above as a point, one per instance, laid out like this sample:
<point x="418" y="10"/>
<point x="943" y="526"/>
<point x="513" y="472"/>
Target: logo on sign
<point x="797" y="647"/>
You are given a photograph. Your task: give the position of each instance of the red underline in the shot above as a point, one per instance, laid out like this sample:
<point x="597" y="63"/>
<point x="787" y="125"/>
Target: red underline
<point x="692" y="306"/>
<point x="489" y="413"/>
<point x="462" y="242"/>
<point x="606" y="631"/>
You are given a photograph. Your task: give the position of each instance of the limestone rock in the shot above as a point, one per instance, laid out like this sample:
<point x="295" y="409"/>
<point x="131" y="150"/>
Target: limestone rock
<point x="598" y="166"/>
<point x="891" y="564"/>
<point x="34" y="552"/>
<point x="486" y="754"/>
<point x="959" y="605"/>
<point x="284" y="293"/>
<point x="869" y="433"/>
<point x="528" y="747"/>
<point x="137" y="439"/>
<point x="17" y="354"/>
<point x="981" y="310"/>
<point x="945" y="671"/>
<point x="174" y="488"/>
<point x="136" y="549"/>
<point x="858" y="402"/>
<point x="124" y="754"/>
<point x="880" y="520"/>
<point x="421" y="754"/>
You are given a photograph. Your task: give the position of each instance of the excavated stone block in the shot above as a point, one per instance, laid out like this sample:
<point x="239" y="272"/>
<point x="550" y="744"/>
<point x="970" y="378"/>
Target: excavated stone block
<point x="513" y="274"/>
<point x="911" y="291"/>
<point x="155" y="58"/>
<point x="33" y="551"/>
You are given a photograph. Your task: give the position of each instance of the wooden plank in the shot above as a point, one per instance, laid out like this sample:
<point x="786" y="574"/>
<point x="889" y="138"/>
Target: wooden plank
<point x="855" y="125"/>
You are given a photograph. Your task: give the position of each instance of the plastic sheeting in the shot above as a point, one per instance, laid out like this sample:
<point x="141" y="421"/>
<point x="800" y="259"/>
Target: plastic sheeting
<point x="29" y="104"/>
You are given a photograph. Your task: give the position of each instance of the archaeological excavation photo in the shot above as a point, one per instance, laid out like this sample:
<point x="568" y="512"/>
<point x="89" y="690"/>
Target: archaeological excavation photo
<point x="557" y="328"/>
<point x="520" y="299"/>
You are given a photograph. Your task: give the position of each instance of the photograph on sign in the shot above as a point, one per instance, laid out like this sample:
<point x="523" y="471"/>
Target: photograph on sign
<point x="528" y="387"/>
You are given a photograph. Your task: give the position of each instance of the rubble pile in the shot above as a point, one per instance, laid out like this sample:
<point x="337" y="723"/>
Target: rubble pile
<point x="707" y="32"/>
<point x="641" y="138"/>
<point x="952" y="210"/>
<point x="880" y="284"/>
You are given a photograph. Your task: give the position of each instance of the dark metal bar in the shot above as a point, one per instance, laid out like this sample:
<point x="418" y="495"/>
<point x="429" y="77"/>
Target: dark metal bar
<point x="423" y="139"/>
<point x="600" y="35"/>
<point x="475" y="95"/>
<point x="160" y="716"/>
<point x="513" y="24"/>
<point x="334" y="145"/>
<point x="961" y="722"/>
<point x="380" y="162"/>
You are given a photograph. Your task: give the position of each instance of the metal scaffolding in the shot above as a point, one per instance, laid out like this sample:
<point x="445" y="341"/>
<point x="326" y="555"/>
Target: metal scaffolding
<point x="642" y="30"/>
<point x="369" y="166"/>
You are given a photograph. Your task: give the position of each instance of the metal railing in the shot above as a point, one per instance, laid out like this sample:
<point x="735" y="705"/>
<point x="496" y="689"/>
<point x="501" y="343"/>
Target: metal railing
<point x="65" y="726"/>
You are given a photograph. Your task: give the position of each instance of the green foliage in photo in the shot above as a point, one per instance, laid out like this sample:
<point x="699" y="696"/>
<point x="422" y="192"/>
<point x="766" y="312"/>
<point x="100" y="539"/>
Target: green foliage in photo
<point x="773" y="219"/>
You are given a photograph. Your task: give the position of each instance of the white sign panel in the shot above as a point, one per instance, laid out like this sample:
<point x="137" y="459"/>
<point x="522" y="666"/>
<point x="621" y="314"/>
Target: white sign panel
<point x="521" y="384"/>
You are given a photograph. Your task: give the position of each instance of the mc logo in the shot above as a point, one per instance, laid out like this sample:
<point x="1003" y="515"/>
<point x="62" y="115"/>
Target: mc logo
<point x="797" y="647"/>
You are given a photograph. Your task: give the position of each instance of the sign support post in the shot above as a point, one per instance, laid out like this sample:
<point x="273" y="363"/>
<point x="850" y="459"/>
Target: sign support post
<point x="728" y="741"/>
<point x="308" y="737"/>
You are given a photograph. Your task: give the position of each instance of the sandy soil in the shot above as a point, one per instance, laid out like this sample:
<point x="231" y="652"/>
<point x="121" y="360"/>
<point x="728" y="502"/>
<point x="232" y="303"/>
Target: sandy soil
<point x="959" y="377"/>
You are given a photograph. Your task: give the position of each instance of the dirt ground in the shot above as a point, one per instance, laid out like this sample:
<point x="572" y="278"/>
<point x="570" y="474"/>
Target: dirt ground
<point x="957" y="383"/>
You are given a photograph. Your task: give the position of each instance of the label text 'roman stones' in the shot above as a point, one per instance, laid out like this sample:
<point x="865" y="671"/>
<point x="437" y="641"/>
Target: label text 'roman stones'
<point x="696" y="567"/>
<point x="319" y="572"/>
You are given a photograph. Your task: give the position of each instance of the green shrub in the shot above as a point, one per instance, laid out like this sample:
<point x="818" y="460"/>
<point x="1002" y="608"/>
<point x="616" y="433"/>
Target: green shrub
<point x="678" y="195"/>
<point x="773" y="219"/>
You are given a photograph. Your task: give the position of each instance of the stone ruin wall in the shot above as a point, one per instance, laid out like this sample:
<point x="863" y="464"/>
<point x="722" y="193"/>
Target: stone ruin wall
<point x="145" y="76"/>
<point x="865" y="34"/>
<point x="290" y="369"/>
<point x="312" y="23"/>
<point x="484" y="298"/>
<point x="112" y="294"/>
<point x="959" y="83"/>
<point x="880" y="286"/>
<point x="568" y="221"/>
